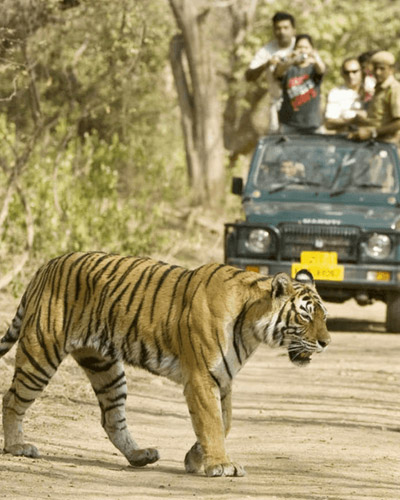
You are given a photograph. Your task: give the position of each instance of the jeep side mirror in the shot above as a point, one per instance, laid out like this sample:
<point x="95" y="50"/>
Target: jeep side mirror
<point x="237" y="185"/>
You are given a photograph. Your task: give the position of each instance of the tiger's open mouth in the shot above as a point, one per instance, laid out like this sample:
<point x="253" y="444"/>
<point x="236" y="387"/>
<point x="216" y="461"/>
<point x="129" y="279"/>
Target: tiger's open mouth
<point x="300" y="358"/>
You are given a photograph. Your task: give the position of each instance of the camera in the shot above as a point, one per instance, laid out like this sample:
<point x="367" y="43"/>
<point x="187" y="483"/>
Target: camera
<point x="300" y="58"/>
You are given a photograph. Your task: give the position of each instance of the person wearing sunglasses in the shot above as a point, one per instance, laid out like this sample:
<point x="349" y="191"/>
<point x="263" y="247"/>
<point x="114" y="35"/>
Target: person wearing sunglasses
<point x="347" y="100"/>
<point x="383" y="115"/>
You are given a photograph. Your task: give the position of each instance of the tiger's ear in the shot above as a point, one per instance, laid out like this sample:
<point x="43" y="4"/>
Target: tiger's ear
<point x="281" y="285"/>
<point x="304" y="276"/>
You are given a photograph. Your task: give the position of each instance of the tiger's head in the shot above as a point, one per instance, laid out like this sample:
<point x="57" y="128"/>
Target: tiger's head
<point x="299" y="319"/>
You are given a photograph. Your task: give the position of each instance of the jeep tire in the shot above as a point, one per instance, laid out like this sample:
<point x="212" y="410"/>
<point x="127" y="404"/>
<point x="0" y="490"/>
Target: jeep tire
<point x="393" y="312"/>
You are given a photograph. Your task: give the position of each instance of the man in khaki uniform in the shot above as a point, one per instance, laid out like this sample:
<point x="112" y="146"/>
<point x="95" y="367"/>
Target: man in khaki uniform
<point x="383" y="116"/>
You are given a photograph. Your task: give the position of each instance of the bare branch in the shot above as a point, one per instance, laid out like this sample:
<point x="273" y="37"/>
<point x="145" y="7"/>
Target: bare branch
<point x="61" y="148"/>
<point x="6" y="203"/>
<point x="79" y="52"/>
<point x="21" y="260"/>
<point x="13" y="93"/>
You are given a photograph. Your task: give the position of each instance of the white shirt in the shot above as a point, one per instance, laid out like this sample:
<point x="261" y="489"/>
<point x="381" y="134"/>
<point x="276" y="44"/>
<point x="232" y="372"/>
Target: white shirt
<point x="342" y="102"/>
<point x="263" y="55"/>
<point x="369" y="84"/>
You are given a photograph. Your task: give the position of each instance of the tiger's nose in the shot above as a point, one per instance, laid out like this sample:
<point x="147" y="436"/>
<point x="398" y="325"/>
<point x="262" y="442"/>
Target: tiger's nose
<point x="323" y="343"/>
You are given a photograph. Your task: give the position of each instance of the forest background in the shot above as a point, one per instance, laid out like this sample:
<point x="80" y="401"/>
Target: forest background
<point x="121" y="123"/>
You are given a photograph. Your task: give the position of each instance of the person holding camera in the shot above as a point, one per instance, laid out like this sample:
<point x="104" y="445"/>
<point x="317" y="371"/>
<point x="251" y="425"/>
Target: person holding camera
<point x="301" y="75"/>
<point x="265" y="60"/>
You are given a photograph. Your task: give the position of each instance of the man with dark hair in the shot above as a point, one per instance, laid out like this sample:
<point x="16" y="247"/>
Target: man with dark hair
<point x="345" y="101"/>
<point x="283" y="16"/>
<point x="383" y="117"/>
<point x="266" y="59"/>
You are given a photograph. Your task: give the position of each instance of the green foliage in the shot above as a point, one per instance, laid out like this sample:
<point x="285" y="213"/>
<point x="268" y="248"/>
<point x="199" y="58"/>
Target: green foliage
<point x="74" y="201"/>
<point x="87" y="126"/>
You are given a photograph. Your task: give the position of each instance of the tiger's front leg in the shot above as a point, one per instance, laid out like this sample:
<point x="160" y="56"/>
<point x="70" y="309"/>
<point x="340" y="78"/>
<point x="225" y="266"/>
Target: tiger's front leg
<point x="194" y="457"/>
<point x="211" y="418"/>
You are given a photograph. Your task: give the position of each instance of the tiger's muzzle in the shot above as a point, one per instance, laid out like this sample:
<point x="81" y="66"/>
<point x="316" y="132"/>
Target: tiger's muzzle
<point x="300" y="351"/>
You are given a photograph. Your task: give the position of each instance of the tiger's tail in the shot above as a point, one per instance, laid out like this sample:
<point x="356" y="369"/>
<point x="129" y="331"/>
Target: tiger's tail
<point x="13" y="331"/>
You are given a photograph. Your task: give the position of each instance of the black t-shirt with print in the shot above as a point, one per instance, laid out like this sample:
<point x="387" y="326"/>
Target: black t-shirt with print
<point x="301" y="98"/>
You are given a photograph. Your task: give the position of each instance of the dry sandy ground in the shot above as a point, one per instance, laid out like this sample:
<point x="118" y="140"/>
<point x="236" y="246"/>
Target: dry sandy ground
<point x="327" y="431"/>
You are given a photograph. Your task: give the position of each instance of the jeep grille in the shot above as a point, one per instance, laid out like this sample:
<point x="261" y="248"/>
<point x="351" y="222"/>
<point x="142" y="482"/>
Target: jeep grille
<point x="296" y="238"/>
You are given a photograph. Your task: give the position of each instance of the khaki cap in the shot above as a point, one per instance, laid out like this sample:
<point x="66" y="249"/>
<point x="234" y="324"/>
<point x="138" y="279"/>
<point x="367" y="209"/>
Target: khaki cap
<point x="383" y="57"/>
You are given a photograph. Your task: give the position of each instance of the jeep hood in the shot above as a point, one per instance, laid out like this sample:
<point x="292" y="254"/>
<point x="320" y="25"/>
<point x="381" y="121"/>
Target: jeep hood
<point x="368" y="217"/>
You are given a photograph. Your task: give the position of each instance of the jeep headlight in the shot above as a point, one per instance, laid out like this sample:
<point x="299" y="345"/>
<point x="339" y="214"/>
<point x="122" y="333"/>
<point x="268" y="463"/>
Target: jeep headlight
<point x="258" y="241"/>
<point x="378" y="246"/>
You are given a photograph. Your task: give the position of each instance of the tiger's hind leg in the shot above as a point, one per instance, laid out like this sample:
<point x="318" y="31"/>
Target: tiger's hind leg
<point x="194" y="458"/>
<point x="107" y="377"/>
<point x="34" y="367"/>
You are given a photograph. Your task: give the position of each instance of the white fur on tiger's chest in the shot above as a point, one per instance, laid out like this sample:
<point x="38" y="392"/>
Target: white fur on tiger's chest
<point x="233" y="355"/>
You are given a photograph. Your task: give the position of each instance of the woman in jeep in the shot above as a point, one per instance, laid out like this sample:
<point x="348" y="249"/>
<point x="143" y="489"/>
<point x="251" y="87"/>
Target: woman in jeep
<point x="301" y="76"/>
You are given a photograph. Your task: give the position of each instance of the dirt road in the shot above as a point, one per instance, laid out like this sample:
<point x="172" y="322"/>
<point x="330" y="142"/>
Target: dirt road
<point x="327" y="431"/>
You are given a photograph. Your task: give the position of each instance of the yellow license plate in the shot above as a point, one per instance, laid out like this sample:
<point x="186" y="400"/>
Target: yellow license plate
<point x="322" y="265"/>
<point x="383" y="276"/>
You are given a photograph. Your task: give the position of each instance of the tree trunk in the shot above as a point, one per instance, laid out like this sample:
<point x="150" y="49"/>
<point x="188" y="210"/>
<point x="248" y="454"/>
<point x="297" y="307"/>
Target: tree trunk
<point x="241" y="127"/>
<point x="194" y="68"/>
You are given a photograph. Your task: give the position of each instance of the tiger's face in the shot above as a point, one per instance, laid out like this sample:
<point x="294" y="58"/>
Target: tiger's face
<point x="310" y="334"/>
<point x="301" y="321"/>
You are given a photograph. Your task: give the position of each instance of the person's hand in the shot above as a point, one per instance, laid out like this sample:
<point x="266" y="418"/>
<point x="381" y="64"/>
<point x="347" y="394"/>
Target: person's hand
<point x="361" y="119"/>
<point x="361" y="114"/>
<point x="297" y="58"/>
<point x="274" y="60"/>
<point x="362" y="134"/>
<point x="313" y="56"/>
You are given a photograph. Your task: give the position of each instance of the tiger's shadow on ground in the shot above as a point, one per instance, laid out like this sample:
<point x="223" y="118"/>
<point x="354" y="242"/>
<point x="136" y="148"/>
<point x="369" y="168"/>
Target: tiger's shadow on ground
<point x="355" y="325"/>
<point x="103" y="464"/>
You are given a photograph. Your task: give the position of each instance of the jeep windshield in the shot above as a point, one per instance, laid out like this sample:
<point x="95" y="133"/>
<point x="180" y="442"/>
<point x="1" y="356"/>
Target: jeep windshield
<point x="304" y="163"/>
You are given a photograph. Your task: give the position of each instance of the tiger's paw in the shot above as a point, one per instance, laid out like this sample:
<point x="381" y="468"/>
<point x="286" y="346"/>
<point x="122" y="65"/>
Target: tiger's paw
<point x="228" y="469"/>
<point x="140" y="458"/>
<point x="23" y="450"/>
<point x="194" y="459"/>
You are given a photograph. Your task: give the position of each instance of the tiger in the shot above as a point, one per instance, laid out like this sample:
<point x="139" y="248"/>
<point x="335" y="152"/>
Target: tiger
<point x="196" y="327"/>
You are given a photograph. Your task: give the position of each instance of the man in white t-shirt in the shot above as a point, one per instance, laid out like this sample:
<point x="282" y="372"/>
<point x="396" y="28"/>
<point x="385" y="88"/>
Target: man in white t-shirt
<point x="346" y="101"/>
<point x="268" y="56"/>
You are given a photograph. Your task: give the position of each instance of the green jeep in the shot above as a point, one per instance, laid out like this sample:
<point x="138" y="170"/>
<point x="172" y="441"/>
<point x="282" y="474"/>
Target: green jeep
<point x="327" y="204"/>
